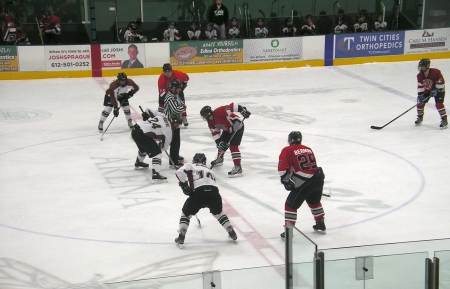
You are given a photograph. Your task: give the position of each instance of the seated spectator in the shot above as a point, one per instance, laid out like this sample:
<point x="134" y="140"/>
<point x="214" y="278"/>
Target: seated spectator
<point x="261" y="30"/>
<point x="234" y="30"/>
<point x="130" y="34"/>
<point x="361" y="25"/>
<point x="289" y="30"/>
<point x="309" y="28"/>
<point x="379" y="24"/>
<point x="171" y="33"/>
<point x="194" y="32"/>
<point x="211" y="32"/>
<point x="324" y="24"/>
<point x="340" y="27"/>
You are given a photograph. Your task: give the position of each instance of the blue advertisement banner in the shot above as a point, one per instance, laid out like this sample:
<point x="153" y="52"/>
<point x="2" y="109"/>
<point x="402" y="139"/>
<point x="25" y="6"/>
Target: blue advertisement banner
<point x="369" y="44"/>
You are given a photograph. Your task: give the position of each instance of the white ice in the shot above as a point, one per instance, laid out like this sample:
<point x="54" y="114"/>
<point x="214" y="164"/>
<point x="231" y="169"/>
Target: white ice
<point x="74" y="211"/>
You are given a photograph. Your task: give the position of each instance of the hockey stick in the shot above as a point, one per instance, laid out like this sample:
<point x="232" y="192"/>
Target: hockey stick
<point x="198" y="221"/>
<point x="101" y="138"/>
<point x="264" y="15"/>
<point x="282" y="14"/>
<point x="39" y="29"/>
<point x="228" y="144"/>
<point x="380" y="127"/>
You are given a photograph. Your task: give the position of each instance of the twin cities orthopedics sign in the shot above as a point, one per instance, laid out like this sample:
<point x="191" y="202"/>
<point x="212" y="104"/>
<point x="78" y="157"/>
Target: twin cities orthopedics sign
<point x="8" y="59"/>
<point x="369" y="44"/>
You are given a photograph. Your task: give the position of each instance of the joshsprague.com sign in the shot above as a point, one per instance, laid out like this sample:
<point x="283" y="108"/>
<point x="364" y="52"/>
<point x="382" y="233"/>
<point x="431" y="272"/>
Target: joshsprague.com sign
<point x="369" y="44"/>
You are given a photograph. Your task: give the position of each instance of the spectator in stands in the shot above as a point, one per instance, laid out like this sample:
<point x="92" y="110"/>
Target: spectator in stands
<point x="171" y="33"/>
<point x="309" y="28"/>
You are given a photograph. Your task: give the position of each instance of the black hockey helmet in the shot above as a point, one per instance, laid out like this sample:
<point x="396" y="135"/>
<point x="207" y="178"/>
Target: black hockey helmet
<point x="132" y="25"/>
<point x="45" y="12"/>
<point x="288" y="20"/>
<point x="175" y="83"/>
<point x="424" y="62"/>
<point x="167" y="67"/>
<point x="199" y="158"/>
<point x="260" y="20"/>
<point x="121" y="76"/>
<point x="172" y="23"/>
<point x="234" y="19"/>
<point x="295" y="137"/>
<point x="176" y="119"/>
<point x="205" y="112"/>
<point x="193" y="23"/>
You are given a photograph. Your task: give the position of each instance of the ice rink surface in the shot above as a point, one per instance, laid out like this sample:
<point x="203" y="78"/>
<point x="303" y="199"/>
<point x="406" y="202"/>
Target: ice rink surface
<point x="74" y="211"/>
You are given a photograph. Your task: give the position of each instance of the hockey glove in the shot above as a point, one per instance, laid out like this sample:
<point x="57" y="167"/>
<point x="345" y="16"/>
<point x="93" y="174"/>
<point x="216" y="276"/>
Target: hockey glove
<point x="185" y="188"/>
<point x="116" y="112"/>
<point x="289" y="186"/>
<point x="222" y="146"/>
<point x="245" y="113"/>
<point x="288" y="183"/>
<point x="145" y="116"/>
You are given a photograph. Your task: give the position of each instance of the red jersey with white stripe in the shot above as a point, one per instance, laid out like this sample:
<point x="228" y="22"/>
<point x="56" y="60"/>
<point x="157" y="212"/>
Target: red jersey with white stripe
<point x="433" y="80"/>
<point x="9" y="29"/>
<point x="223" y="117"/>
<point x="164" y="82"/>
<point x="52" y="23"/>
<point x="299" y="160"/>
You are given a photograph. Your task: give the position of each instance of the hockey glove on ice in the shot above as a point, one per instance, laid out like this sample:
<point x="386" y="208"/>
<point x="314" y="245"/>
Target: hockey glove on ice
<point x="145" y="116"/>
<point x="222" y="146"/>
<point x="185" y="188"/>
<point x="244" y="112"/>
<point x="116" y="112"/>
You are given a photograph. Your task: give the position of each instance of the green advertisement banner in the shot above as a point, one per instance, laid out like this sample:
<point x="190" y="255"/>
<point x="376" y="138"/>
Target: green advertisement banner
<point x="8" y="59"/>
<point x="210" y="52"/>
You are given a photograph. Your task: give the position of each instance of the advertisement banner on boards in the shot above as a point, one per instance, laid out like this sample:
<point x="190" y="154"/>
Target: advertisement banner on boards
<point x="116" y="56"/>
<point x="272" y="49"/>
<point x="424" y="41"/>
<point x="8" y="59"/>
<point x="73" y="57"/>
<point x="369" y="44"/>
<point x="206" y="52"/>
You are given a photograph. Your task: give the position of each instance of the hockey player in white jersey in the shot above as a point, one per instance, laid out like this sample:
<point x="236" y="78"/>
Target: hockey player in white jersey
<point x="152" y="135"/>
<point x="198" y="182"/>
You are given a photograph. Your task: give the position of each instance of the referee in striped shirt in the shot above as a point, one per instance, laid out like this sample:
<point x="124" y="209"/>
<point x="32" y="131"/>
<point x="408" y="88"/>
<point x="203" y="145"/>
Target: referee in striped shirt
<point x="173" y="105"/>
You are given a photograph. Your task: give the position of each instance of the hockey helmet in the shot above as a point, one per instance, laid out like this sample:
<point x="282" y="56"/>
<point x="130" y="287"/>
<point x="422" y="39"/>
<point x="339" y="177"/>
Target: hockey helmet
<point x="295" y="137"/>
<point x="205" y="112"/>
<point x="167" y="67"/>
<point x="260" y="20"/>
<point x="45" y="12"/>
<point x="199" y="158"/>
<point x="175" y="83"/>
<point x="234" y="19"/>
<point x="193" y="23"/>
<point x="172" y="24"/>
<point x="121" y="76"/>
<point x="132" y="25"/>
<point x="424" y="62"/>
<point x="176" y="119"/>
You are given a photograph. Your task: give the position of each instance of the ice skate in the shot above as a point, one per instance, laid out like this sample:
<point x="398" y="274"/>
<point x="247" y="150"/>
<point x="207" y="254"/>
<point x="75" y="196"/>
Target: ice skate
<point x="180" y="239"/>
<point x="283" y="236"/>
<point x="320" y="227"/>
<point x="444" y="123"/>
<point x="217" y="162"/>
<point x="419" y="120"/>
<point x="130" y="123"/>
<point x="185" y="121"/>
<point x="140" y="165"/>
<point x="100" y="127"/>
<point x="157" y="178"/>
<point x="231" y="233"/>
<point x="235" y="172"/>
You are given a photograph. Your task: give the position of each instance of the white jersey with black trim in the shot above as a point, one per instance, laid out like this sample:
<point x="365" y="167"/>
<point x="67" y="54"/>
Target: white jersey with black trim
<point x="201" y="174"/>
<point x="159" y="125"/>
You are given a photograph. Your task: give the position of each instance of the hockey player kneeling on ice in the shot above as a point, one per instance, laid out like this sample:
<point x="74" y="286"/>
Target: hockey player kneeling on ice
<point x="227" y="130"/>
<point x="117" y="95"/>
<point x="155" y="127"/>
<point x="198" y="182"/>
<point x="301" y="176"/>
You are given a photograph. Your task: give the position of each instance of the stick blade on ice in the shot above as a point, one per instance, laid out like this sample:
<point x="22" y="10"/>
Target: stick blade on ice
<point x="376" y="127"/>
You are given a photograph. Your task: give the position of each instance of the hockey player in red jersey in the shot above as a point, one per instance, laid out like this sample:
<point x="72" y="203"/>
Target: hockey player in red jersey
<point x="301" y="176"/>
<point x="430" y="83"/>
<point x="50" y="27"/>
<point x="164" y="81"/>
<point x="9" y="28"/>
<point x="223" y="123"/>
